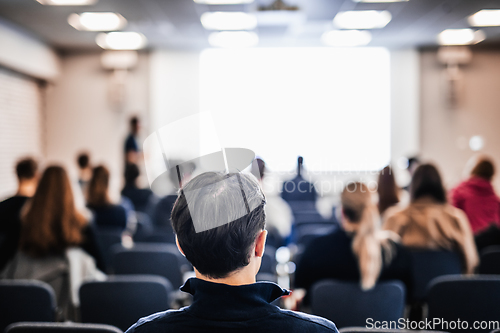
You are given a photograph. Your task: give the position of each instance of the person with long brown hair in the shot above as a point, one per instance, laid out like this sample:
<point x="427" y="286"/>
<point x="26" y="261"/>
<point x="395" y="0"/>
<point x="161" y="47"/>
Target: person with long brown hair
<point x="106" y="214"/>
<point x="429" y="222"/>
<point x="358" y="251"/>
<point x="52" y="236"/>
<point x="389" y="194"/>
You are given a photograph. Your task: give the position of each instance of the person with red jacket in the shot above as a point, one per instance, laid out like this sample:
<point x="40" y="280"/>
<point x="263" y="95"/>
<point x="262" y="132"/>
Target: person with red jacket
<point x="477" y="198"/>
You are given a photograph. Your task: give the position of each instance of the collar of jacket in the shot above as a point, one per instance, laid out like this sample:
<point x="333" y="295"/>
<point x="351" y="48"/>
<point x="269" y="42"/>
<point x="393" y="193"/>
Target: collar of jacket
<point x="219" y="301"/>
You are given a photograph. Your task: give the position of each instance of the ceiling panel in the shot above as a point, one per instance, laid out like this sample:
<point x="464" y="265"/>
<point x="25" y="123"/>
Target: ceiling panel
<point x="176" y="24"/>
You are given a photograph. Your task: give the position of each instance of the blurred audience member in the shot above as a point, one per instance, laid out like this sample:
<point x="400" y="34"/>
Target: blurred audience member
<point x="299" y="189"/>
<point x="105" y="213"/>
<point x="163" y="209"/>
<point x="52" y="240"/>
<point x="389" y="194"/>
<point x="140" y="197"/>
<point x="10" y="209"/>
<point x="413" y="164"/>
<point x="429" y="222"/>
<point x="84" y="171"/>
<point x="279" y="216"/>
<point x="358" y="251"/>
<point x="131" y="145"/>
<point x="477" y="198"/>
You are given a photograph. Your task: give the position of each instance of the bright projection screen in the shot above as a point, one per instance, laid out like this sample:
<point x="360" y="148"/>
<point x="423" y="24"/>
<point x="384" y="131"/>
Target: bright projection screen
<point x="329" y="105"/>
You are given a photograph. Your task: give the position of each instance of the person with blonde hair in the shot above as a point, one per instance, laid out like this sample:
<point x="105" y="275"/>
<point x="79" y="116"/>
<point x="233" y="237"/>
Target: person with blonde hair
<point x="55" y="242"/>
<point x="358" y="251"/>
<point x="106" y="214"/>
<point x="429" y="222"/>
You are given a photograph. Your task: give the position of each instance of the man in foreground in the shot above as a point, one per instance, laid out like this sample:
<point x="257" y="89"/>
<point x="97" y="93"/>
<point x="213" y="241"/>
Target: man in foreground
<point x="226" y="259"/>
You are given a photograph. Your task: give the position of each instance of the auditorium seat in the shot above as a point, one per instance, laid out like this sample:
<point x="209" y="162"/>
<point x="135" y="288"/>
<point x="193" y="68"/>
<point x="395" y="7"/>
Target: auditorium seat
<point x="490" y="260"/>
<point x="26" y="300"/>
<point x="160" y="235"/>
<point x="427" y="265"/>
<point x="152" y="259"/>
<point x="66" y="327"/>
<point x="107" y="237"/>
<point x="468" y="298"/>
<point x="303" y="233"/>
<point x="346" y="304"/>
<point x="122" y="300"/>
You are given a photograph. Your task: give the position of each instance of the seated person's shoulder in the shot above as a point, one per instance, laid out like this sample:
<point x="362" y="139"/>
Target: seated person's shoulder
<point x="309" y="323"/>
<point x="156" y="322"/>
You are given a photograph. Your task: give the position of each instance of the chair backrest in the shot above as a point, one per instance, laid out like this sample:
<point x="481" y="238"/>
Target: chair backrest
<point x="490" y="260"/>
<point x="66" y="327"/>
<point x="148" y="258"/>
<point x="469" y="298"/>
<point x="427" y="265"/>
<point x="381" y="330"/>
<point x="346" y="304"/>
<point x="304" y="233"/>
<point x="122" y="300"/>
<point x="160" y="235"/>
<point x="107" y="237"/>
<point x="26" y="300"/>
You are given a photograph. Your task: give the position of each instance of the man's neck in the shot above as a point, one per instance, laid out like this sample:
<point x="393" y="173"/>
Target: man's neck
<point x="239" y="278"/>
<point x="26" y="188"/>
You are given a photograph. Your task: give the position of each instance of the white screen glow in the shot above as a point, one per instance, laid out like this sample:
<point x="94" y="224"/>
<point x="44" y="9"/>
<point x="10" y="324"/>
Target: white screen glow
<point x="329" y="105"/>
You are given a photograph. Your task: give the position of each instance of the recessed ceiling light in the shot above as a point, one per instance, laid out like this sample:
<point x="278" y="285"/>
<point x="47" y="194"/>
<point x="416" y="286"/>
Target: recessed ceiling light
<point x="121" y="40"/>
<point x="233" y="39"/>
<point x="362" y="19"/>
<point x="346" y="38"/>
<point x="380" y="1"/>
<point x="104" y="21"/>
<point x="223" y="2"/>
<point x="460" y="37"/>
<point x="67" y="2"/>
<point x="485" y="18"/>
<point x="228" y="21"/>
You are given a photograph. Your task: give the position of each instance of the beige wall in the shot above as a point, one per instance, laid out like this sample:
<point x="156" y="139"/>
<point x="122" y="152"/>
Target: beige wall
<point x="445" y="131"/>
<point x="80" y="116"/>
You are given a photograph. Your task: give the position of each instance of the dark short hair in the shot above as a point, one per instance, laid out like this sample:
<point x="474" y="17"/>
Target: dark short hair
<point x="426" y="182"/>
<point x="131" y="173"/>
<point x="83" y="160"/>
<point x="26" y="168"/>
<point x="219" y="251"/>
<point x="484" y="169"/>
<point x="134" y="121"/>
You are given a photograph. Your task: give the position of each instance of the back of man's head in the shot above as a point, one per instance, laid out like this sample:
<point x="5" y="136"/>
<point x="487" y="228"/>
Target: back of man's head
<point x="220" y="251"/>
<point x="83" y="160"/>
<point x="26" y="169"/>
<point x="131" y="173"/>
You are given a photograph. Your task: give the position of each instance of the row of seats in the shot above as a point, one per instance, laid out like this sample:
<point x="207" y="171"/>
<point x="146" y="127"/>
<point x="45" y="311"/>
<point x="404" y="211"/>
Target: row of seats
<point x="448" y="298"/>
<point x="120" y="301"/>
<point x="29" y="327"/>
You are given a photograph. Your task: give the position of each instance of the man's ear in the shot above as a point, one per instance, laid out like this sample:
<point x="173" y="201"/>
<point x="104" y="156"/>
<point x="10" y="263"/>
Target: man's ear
<point x="260" y="243"/>
<point x="178" y="246"/>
